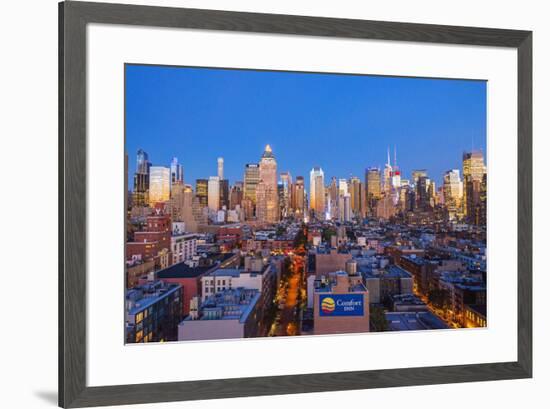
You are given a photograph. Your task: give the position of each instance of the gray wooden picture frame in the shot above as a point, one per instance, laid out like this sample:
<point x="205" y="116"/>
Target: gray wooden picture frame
<point x="73" y="19"/>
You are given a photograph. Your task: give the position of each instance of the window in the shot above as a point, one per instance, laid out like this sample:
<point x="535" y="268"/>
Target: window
<point x="139" y="317"/>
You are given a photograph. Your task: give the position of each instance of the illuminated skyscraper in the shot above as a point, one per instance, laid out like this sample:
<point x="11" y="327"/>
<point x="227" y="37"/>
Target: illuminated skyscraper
<point x="422" y="193"/>
<point x="396" y="173"/>
<point x="388" y="171"/>
<point x="472" y="165"/>
<point x="224" y="193"/>
<point x="267" y="203"/>
<point x="201" y="189"/>
<point x="416" y="174"/>
<point x="343" y="187"/>
<point x="356" y="193"/>
<point x="251" y="180"/>
<point x="286" y="205"/>
<point x="220" y="168"/>
<point x="140" y="196"/>
<point x="373" y="188"/>
<point x="452" y="192"/>
<point x="236" y="195"/>
<point x="176" y="172"/>
<point x="214" y="193"/>
<point x="142" y="162"/>
<point x="298" y="196"/>
<point x="317" y="192"/>
<point x="473" y="169"/>
<point x="159" y="184"/>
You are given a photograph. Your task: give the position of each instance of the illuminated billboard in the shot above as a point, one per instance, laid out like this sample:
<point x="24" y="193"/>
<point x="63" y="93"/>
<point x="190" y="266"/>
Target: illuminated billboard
<point x="341" y="305"/>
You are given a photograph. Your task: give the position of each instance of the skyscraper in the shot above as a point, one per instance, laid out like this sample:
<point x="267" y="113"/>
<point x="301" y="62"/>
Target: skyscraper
<point x="373" y="188"/>
<point x="472" y="165"/>
<point x="224" y="193"/>
<point x="332" y="198"/>
<point x="473" y="169"/>
<point x="140" y="196"/>
<point x="317" y="192"/>
<point x="201" y="191"/>
<point x="396" y="173"/>
<point x="416" y="174"/>
<point x="142" y="162"/>
<point x="422" y="193"/>
<point x="267" y="207"/>
<point x="452" y="192"/>
<point x="355" y="190"/>
<point x="286" y="181"/>
<point x="214" y="193"/>
<point x="176" y="172"/>
<point x="159" y="184"/>
<point x="344" y="208"/>
<point x="388" y="171"/>
<point x="236" y="195"/>
<point x="251" y="180"/>
<point x="220" y="168"/>
<point x="298" y="193"/>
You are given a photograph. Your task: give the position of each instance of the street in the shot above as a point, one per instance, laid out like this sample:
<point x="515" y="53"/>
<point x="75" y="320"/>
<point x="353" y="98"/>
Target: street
<point x="289" y="299"/>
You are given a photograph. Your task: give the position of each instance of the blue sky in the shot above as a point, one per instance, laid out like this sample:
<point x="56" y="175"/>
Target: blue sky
<point x="343" y="123"/>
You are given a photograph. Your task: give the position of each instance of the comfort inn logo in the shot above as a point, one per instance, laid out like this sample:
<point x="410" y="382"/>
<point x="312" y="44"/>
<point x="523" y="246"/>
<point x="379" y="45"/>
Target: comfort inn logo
<point x="341" y="305"/>
<point x="328" y="305"/>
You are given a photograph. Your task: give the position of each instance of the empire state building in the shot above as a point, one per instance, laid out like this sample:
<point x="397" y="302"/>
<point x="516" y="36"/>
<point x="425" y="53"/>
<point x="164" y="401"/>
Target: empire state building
<point x="267" y="208"/>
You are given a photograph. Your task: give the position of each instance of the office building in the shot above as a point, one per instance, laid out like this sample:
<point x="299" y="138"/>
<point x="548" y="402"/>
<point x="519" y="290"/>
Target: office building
<point x="176" y="172"/>
<point x="159" y="184"/>
<point x="153" y="312"/>
<point x="298" y="196"/>
<point x="236" y="195"/>
<point x="251" y="180"/>
<point x="373" y="189"/>
<point x="232" y="313"/>
<point x="317" y="192"/>
<point x="286" y="194"/>
<point x="224" y="193"/>
<point x="267" y="207"/>
<point x="214" y="193"/>
<point x="140" y="194"/>
<point x="201" y="191"/>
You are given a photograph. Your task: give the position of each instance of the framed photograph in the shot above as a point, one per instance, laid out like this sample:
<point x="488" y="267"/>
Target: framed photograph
<point x="256" y="204"/>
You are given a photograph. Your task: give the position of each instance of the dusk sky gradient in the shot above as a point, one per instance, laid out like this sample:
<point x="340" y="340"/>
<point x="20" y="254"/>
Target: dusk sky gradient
<point x="343" y="123"/>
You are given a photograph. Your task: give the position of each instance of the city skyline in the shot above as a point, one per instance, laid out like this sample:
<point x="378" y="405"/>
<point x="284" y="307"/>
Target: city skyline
<point x="155" y="95"/>
<point x="270" y="204"/>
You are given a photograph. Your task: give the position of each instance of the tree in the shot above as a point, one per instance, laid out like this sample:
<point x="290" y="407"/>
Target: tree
<point x="327" y="233"/>
<point x="301" y="238"/>
<point x="378" y="319"/>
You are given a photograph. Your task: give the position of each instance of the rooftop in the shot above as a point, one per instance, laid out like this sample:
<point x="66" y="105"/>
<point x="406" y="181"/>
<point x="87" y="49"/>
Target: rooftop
<point x="236" y="272"/>
<point x="391" y="271"/>
<point x="414" y="321"/>
<point x="182" y="270"/>
<point x="230" y="304"/>
<point x="141" y="297"/>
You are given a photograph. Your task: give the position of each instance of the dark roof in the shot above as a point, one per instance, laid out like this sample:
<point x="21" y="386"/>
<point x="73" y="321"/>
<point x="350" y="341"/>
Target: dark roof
<point x="182" y="270"/>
